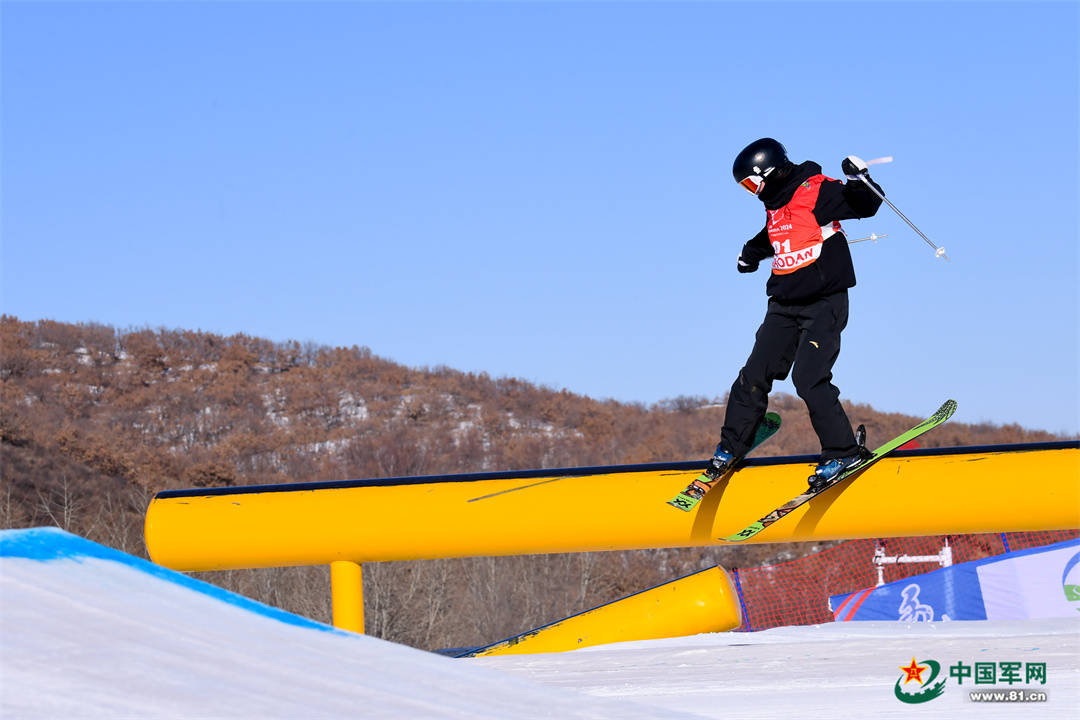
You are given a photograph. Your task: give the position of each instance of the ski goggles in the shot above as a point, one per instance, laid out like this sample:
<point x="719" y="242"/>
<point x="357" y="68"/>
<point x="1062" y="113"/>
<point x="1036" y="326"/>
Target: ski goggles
<point x="753" y="183"/>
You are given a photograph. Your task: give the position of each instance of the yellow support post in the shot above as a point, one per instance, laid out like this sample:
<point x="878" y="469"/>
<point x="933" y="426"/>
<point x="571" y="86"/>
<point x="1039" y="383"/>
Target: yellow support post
<point x="705" y="601"/>
<point x="347" y="593"/>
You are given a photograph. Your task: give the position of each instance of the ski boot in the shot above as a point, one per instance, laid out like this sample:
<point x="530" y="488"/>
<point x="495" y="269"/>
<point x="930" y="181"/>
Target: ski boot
<point x="720" y="463"/>
<point x="828" y="470"/>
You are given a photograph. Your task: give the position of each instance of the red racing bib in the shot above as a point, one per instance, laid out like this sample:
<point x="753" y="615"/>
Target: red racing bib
<point x="794" y="234"/>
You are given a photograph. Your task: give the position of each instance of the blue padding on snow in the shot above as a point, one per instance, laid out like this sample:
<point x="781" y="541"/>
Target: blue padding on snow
<point x="48" y="544"/>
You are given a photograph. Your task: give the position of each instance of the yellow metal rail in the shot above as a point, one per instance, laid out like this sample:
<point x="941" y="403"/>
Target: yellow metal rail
<point x="705" y="601"/>
<point x="966" y="490"/>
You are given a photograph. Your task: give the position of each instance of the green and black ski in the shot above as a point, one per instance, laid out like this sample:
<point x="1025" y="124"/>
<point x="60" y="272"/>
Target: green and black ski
<point x="943" y="413"/>
<point x="688" y="499"/>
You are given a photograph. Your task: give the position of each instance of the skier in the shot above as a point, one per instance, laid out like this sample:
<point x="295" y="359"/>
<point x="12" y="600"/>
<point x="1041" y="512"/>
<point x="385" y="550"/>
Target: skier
<point x="808" y="299"/>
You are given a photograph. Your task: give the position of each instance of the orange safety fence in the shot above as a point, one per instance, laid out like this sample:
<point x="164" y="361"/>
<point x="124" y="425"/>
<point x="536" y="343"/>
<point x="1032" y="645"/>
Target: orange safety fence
<point x="797" y="592"/>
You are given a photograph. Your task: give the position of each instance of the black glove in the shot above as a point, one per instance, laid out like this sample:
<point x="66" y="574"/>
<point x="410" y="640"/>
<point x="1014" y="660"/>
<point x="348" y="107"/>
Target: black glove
<point x="745" y="267"/>
<point x="853" y="166"/>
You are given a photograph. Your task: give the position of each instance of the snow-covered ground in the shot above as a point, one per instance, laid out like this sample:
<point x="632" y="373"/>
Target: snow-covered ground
<point x="89" y="632"/>
<point x="822" y="671"/>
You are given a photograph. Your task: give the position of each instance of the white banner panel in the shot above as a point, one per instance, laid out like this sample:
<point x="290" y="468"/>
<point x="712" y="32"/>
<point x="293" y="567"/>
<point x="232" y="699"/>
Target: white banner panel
<point x="1032" y="585"/>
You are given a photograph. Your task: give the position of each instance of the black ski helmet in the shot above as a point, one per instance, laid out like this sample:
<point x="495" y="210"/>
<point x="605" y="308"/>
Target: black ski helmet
<point x="758" y="160"/>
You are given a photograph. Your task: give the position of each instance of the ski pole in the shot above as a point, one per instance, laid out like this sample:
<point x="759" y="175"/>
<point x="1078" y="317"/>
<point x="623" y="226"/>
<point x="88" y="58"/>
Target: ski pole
<point x="938" y="252"/>
<point x="871" y="236"/>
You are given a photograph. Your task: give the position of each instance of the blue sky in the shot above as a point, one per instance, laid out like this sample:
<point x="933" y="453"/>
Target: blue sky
<point x="543" y="190"/>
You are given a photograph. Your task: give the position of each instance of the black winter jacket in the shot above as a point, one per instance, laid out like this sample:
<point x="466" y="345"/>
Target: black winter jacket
<point x="832" y="271"/>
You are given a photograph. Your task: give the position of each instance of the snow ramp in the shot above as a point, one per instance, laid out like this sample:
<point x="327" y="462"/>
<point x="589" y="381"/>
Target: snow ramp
<point x="87" y="631"/>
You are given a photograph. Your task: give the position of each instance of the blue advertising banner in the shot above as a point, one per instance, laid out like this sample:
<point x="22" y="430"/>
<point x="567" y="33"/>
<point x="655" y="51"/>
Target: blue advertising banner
<point x="1031" y="583"/>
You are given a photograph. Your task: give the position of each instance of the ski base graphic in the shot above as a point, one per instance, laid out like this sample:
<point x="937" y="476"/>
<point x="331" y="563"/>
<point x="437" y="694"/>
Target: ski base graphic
<point x="688" y="498"/>
<point x="943" y="413"/>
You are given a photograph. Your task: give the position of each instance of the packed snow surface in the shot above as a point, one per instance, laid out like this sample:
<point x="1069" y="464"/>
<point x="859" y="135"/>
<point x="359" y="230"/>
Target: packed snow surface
<point x="90" y="632"/>
<point x="821" y="671"/>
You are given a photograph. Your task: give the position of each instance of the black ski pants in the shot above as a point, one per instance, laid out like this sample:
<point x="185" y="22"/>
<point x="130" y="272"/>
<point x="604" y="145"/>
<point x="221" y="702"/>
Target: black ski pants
<point x="806" y="335"/>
